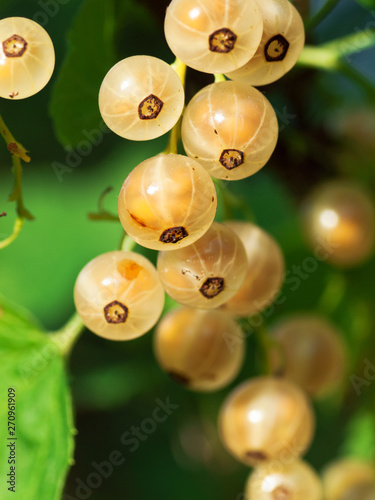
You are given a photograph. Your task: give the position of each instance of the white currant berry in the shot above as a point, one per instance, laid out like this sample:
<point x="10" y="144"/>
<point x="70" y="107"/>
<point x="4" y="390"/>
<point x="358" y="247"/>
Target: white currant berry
<point x="201" y="349"/>
<point x="27" y="58"/>
<point x="141" y="98"/>
<point x="231" y="129"/>
<point x="265" y="418"/>
<point x="310" y="352"/>
<point x="207" y="273"/>
<point x="284" y="480"/>
<point x="265" y="270"/>
<point x="339" y="222"/>
<point x="282" y="42"/>
<point x="213" y="36"/>
<point x="118" y="295"/>
<point x="167" y="202"/>
<point x="349" y="479"/>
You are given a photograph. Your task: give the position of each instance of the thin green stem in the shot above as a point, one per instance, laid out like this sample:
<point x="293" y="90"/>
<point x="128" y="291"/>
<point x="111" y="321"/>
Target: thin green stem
<point x="13" y="146"/>
<point x="68" y="335"/>
<point x="220" y="78"/>
<point x="128" y="244"/>
<point x="333" y="294"/>
<point x="321" y="14"/>
<point x="16" y="230"/>
<point x="266" y="345"/>
<point x="175" y="134"/>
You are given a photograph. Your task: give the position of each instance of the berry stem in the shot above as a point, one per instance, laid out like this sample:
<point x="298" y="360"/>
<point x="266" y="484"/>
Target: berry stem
<point x="18" y="153"/>
<point x="175" y="134"/>
<point x="321" y="14"/>
<point x="66" y="337"/>
<point x="333" y="294"/>
<point x="128" y="244"/>
<point x="265" y="344"/>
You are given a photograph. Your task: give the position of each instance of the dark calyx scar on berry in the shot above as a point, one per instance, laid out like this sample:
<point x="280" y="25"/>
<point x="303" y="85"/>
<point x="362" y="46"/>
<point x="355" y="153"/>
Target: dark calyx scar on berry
<point x="259" y="456"/>
<point x="222" y="40"/>
<point x="115" y="312"/>
<point x="212" y="287"/>
<point x="14" y="46"/>
<point x="150" y="107"/>
<point x="276" y="48"/>
<point x="173" y="234"/>
<point x="231" y="158"/>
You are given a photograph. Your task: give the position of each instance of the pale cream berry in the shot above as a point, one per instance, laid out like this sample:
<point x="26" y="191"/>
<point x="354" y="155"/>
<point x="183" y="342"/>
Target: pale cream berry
<point x="266" y="419"/>
<point x="265" y="270"/>
<point x="207" y="273"/>
<point x="141" y="98"/>
<point x="118" y="295"/>
<point x="213" y="36"/>
<point x="284" y="480"/>
<point x="310" y="352"/>
<point x="167" y="202"/>
<point x="201" y="349"/>
<point x="349" y="479"/>
<point x="339" y="222"/>
<point x="281" y="45"/>
<point x="27" y="58"/>
<point x="231" y="129"/>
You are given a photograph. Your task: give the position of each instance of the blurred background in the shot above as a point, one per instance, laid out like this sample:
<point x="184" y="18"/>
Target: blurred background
<point x="327" y="126"/>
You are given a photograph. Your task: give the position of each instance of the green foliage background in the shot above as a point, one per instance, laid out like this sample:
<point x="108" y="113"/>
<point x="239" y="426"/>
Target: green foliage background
<point x="327" y="127"/>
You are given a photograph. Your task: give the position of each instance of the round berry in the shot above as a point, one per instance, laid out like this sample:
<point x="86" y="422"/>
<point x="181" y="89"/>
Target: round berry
<point x="213" y="36"/>
<point x="118" y="295"/>
<point x="339" y="221"/>
<point x="282" y="42"/>
<point x="310" y="352"/>
<point x="349" y="479"/>
<point x="167" y="202"/>
<point x="265" y="270"/>
<point x="207" y="273"/>
<point x="265" y="418"/>
<point x="203" y="350"/>
<point x="27" y="58"/>
<point x="231" y="129"/>
<point x="284" y="480"/>
<point x="141" y="98"/>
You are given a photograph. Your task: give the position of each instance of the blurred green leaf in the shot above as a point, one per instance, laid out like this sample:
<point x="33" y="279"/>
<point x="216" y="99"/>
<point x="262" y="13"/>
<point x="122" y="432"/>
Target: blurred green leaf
<point x="368" y="4"/>
<point x="33" y="367"/>
<point x="74" y="103"/>
<point x="360" y="437"/>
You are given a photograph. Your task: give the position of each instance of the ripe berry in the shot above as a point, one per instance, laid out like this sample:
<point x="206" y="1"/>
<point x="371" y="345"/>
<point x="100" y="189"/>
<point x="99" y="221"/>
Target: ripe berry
<point x="282" y="42"/>
<point x="141" y="98"/>
<point x="349" y="479"/>
<point x="202" y="350"/>
<point x="265" y="419"/>
<point x="27" y="58"/>
<point x="118" y="295"/>
<point x="207" y="273"/>
<point x="284" y="480"/>
<point x="311" y="353"/>
<point x="213" y="36"/>
<point x="167" y="202"/>
<point x="231" y="129"/>
<point x="339" y="221"/>
<point x="265" y="270"/>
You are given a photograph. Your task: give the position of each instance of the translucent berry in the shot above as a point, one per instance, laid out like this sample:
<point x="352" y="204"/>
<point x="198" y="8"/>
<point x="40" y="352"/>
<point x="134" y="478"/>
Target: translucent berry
<point x="141" y="98"/>
<point x="207" y="273"/>
<point x="339" y="221"/>
<point x="27" y="58"/>
<point x="284" y="480"/>
<point x="265" y="270"/>
<point x="231" y="129"/>
<point x="282" y="42"/>
<point x="202" y="350"/>
<point x="118" y="295"/>
<point x="266" y="419"/>
<point x="310" y="352"/>
<point x="349" y="479"/>
<point x="213" y="36"/>
<point x="167" y="202"/>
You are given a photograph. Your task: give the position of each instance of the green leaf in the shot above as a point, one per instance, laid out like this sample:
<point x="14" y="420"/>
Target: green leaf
<point x="32" y="365"/>
<point x="74" y="104"/>
<point x="368" y="4"/>
<point x="360" y="437"/>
